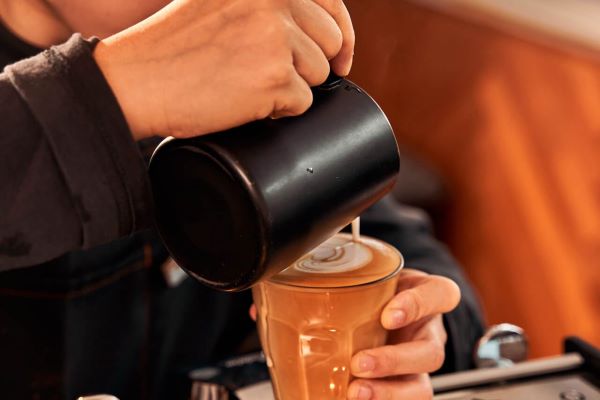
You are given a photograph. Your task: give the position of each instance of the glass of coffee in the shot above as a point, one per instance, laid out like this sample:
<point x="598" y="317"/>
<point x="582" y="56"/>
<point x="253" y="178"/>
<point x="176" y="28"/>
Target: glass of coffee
<point x="317" y="313"/>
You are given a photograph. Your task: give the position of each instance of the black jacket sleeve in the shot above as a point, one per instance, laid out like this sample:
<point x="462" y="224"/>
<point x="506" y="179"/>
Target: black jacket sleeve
<point x="409" y="230"/>
<point x="71" y="176"/>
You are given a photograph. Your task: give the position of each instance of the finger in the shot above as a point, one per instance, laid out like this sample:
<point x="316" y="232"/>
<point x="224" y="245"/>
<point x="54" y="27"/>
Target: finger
<point x="294" y="99"/>
<point x="432" y="295"/>
<point x="252" y="312"/>
<point x="425" y="329"/>
<point x="320" y="26"/>
<point x="420" y="356"/>
<point x="413" y="387"/>
<point x="342" y="62"/>
<point x="310" y="62"/>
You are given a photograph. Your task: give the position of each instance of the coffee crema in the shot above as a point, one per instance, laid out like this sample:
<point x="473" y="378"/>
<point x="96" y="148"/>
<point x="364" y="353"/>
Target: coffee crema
<point x="341" y="261"/>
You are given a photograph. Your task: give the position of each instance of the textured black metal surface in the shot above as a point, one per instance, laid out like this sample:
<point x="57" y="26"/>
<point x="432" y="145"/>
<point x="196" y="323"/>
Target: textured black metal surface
<point x="241" y="205"/>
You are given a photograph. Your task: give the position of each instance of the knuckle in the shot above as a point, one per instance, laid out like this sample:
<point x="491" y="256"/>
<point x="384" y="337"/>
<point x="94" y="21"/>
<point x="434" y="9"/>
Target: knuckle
<point x="386" y="363"/>
<point x="334" y="44"/>
<point x="280" y="76"/>
<point x="320" y="74"/>
<point x="305" y="102"/>
<point x="440" y="330"/>
<point x="263" y="111"/>
<point x="294" y="101"/>
<point x="272" y="27"/>
<point x="415" y="308"/>
<point x="278" y="37"/>
<point x="437" y="354"/>
<point x="456" y="294"/>
<point x="451" y="290"/>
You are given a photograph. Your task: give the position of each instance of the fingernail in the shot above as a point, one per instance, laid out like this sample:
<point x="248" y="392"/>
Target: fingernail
<point x="360" y="392"/>
<point x="366" y="363"/>
<point x="397" y="318"/>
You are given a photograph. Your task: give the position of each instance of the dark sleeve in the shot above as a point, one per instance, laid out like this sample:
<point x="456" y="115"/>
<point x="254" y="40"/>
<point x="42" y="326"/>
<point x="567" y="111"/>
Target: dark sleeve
<point x="409" y="230"/>
<point x="70" y="173"/>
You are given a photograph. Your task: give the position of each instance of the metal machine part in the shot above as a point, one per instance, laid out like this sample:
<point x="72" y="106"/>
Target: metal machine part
<point x="566" y="388"/>
<point x="523" y="370"/>
<point x="502" y="346"/>
<point x="572" y="376"/>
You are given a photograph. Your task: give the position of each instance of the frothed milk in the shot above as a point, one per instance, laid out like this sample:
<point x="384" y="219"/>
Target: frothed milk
<point x="316" y="314"/>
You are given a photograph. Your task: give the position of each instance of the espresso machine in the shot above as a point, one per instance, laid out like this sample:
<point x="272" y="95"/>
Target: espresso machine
<point x="502" y="374"/>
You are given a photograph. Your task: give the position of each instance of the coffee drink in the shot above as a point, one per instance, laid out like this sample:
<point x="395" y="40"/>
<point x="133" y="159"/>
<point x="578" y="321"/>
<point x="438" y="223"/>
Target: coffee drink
<point x="314" y="315"/>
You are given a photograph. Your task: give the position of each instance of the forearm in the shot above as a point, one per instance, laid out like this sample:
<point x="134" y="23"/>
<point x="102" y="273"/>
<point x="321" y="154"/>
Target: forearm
<point x="72" y="177"/>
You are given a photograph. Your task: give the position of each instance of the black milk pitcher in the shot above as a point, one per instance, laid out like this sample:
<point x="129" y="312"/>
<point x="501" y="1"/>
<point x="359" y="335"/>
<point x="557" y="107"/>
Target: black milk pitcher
<point x="238" y="206"/>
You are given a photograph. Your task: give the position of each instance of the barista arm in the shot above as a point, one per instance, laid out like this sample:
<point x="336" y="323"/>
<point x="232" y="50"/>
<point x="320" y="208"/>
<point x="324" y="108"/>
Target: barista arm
<point x="71" y="175"/>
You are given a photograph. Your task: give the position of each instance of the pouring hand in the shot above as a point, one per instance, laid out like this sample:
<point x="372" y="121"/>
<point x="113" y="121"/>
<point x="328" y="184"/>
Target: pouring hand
<point x="342" y="61"/>
<point x="197" y="67"/>
<point x="416" y="342"/>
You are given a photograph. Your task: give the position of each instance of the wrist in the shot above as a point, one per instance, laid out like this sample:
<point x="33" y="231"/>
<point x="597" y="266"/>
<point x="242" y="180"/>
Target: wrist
<point x="123" y="82"/>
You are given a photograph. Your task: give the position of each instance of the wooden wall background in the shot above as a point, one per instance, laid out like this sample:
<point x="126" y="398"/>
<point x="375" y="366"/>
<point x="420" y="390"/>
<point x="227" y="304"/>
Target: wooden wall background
<point x="513" y="128"/>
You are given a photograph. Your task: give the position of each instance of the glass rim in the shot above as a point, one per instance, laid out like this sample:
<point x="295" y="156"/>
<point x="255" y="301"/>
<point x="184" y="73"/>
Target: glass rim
<point x="384" y="278"/>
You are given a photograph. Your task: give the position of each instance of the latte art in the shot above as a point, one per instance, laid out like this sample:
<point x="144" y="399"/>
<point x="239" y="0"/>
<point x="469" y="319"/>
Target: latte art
<point x="338" y="254"/>
<point x="341" y="261"/>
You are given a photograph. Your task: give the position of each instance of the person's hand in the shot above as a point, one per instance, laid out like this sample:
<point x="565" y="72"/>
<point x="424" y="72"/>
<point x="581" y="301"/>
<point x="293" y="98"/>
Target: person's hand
<point x="342" y="62"/>
<point x="200" y="66"/>
<point x="416" y="342"/>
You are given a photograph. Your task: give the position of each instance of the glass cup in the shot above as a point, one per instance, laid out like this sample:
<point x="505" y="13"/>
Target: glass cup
<point x="313" y="316"/>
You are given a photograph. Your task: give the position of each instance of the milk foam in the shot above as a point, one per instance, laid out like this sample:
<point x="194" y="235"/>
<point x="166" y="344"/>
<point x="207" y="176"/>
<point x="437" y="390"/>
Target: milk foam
<point x="338" y="254"/>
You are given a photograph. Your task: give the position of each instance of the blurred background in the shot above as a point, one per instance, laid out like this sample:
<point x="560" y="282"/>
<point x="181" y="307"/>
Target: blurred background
<point x="496" y="106"/>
